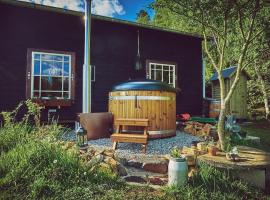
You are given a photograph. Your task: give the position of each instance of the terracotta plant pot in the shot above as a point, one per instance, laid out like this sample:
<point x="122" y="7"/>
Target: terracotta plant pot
<point x="212" y="150"/>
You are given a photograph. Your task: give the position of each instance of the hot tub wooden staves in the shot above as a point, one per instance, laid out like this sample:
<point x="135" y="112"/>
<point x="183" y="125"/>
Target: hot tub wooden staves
<point x="154" y="104"/>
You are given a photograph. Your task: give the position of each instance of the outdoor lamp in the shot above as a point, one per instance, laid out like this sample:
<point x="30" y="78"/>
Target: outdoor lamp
<point x="81" y="137"/>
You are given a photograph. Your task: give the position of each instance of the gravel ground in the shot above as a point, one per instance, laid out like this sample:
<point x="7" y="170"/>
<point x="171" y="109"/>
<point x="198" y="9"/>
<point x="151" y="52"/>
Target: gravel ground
<point x="154" y="147"/>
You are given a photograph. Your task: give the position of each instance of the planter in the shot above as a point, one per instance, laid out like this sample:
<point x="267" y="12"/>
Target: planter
<point x="53" y="102"/>
<point x="177" y="172"/>
<point x="212" y="150"/>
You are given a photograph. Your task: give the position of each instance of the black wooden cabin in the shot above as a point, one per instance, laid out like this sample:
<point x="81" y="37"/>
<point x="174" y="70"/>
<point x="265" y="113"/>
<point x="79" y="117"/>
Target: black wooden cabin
<point x="33" y="35"/>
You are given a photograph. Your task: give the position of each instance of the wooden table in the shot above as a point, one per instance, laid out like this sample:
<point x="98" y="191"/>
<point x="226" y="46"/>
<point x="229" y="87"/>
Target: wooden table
<point x="254" y="165"/>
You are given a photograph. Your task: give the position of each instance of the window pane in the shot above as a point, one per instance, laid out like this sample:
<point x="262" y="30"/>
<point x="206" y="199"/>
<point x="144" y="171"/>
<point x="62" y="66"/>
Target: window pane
<point x="58" y="58"/>
<point x="66" y="95"/>
<point x="66" y="84"/>
<point x="51" y="83"/>
<point x="171" y="67"/>
<point x="159" y="67"/>
<point x="37" y="56"/>
<point x="47" y="57"/>
<point x="166" y="67"/>
<point x="36" y="67"/>
<point x="36" y="82"/>
<point x="51" y="94"/>
<point x="159" y="75"/>
<point x="66" y="58"/>
<point x="51" y="68"/>
<point x="166" y="77"/>
<point x="171" y="77"/>
<point x="152" y="74"/>
<point x="66" y="69"/>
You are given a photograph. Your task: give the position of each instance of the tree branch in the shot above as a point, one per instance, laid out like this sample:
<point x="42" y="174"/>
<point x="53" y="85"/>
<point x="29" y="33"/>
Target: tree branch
<point x="243" y="52"/>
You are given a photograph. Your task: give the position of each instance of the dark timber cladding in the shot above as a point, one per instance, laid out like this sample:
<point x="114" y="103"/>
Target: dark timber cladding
<point x="113" y="53"/>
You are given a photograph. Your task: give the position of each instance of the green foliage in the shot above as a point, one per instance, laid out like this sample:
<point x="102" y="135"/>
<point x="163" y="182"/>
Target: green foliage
<point x="211" y="183"/>
<point x="143" y="17"/>
<point x="175" y="152"/>
<point x="183" y="16"/>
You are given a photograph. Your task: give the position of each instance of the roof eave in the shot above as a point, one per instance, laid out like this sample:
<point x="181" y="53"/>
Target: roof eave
<point x="109" y="19"/>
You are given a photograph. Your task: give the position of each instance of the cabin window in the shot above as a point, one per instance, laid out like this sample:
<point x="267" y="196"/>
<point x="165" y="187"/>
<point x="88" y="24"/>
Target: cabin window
<point x="50" y="75"/>
<point x="162" y="71"/>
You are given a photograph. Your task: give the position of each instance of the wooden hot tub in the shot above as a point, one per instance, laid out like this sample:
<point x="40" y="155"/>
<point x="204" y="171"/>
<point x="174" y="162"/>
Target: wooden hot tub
<point x="146" y="99"/>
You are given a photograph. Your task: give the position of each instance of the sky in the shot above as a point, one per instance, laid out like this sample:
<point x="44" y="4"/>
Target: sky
<point x="120" y="9"/>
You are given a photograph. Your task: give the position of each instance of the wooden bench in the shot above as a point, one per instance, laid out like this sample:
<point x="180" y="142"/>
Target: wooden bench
<point x="118" y="136"/>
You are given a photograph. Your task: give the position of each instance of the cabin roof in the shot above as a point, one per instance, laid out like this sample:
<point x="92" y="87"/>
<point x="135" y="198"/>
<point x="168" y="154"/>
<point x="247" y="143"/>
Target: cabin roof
<point x="109" y="19"/>
<point x="227" y="73"/>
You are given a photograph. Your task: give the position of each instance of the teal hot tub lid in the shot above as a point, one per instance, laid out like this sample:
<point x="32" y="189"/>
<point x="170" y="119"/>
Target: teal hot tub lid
<point x="150" y="85"/>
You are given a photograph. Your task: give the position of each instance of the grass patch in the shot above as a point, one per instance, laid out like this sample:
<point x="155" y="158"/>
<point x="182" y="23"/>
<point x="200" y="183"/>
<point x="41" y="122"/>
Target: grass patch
<point x="210" y="183"/>
<point x="260" y="129"/>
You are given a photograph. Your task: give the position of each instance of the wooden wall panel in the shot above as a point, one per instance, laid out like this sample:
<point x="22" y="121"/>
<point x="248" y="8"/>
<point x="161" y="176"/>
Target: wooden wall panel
<point x="113" y="53"/>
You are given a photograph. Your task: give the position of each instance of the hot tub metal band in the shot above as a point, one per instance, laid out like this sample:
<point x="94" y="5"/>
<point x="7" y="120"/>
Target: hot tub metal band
<point x="152" y="132"/>
<point x="141" y="98"/>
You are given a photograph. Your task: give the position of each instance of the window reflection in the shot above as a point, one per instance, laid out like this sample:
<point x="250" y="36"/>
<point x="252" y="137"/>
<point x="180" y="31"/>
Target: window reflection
<point x="51" y="76"/>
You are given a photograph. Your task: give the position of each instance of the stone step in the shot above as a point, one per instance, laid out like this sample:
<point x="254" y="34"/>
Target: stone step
<point x="141" y="176"/>
<point x="155" y="165"/>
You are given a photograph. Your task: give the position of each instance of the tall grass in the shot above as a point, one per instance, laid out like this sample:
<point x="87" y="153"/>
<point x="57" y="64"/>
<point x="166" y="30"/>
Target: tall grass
<point x="34" y="166"/>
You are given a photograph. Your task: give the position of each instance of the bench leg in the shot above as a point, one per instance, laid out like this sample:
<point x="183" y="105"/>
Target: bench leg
<point x="144" y="148"/>
<point x="114" y="145"/>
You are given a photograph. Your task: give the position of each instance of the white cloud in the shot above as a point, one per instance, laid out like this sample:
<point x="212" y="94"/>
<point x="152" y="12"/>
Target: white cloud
<point x="107" y="7"/>
<point x="100" y="7"/>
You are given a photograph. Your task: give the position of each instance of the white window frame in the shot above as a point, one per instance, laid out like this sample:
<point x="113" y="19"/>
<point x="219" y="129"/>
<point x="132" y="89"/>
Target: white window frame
<point x="33" y="75"/>
<point x="150" y="64"/>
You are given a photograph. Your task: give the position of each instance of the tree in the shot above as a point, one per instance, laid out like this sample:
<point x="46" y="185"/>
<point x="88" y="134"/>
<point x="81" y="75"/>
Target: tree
<point x="220" y="21"/>
<point x="143" y="17"/>
<point x="260" y="62"/>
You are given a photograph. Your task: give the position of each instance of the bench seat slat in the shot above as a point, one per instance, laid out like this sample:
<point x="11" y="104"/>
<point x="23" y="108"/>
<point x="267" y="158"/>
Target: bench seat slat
<point x="130" y="138"/>
<point x="132" y="122"/>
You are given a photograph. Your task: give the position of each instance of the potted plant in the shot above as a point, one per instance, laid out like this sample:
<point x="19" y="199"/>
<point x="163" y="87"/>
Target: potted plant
<point x="177" y="168"/>
<point x="212" y="149"/>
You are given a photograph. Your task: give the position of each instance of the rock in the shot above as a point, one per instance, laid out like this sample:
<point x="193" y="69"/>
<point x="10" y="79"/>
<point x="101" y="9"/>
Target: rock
<point x="82" y="151"/>
<point x="95" y="160"/>
<point x="98" y="152"/>
<point x="156" y="167"/>
<point x="121" y="160"/>
<point x="157" y="180"/>
<point x="134" y="163"/>
<point x="136" y="179"/>
<point x="109" y="152"/>
<point x="113" y="163"/>
<point x="121" y="170"/>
